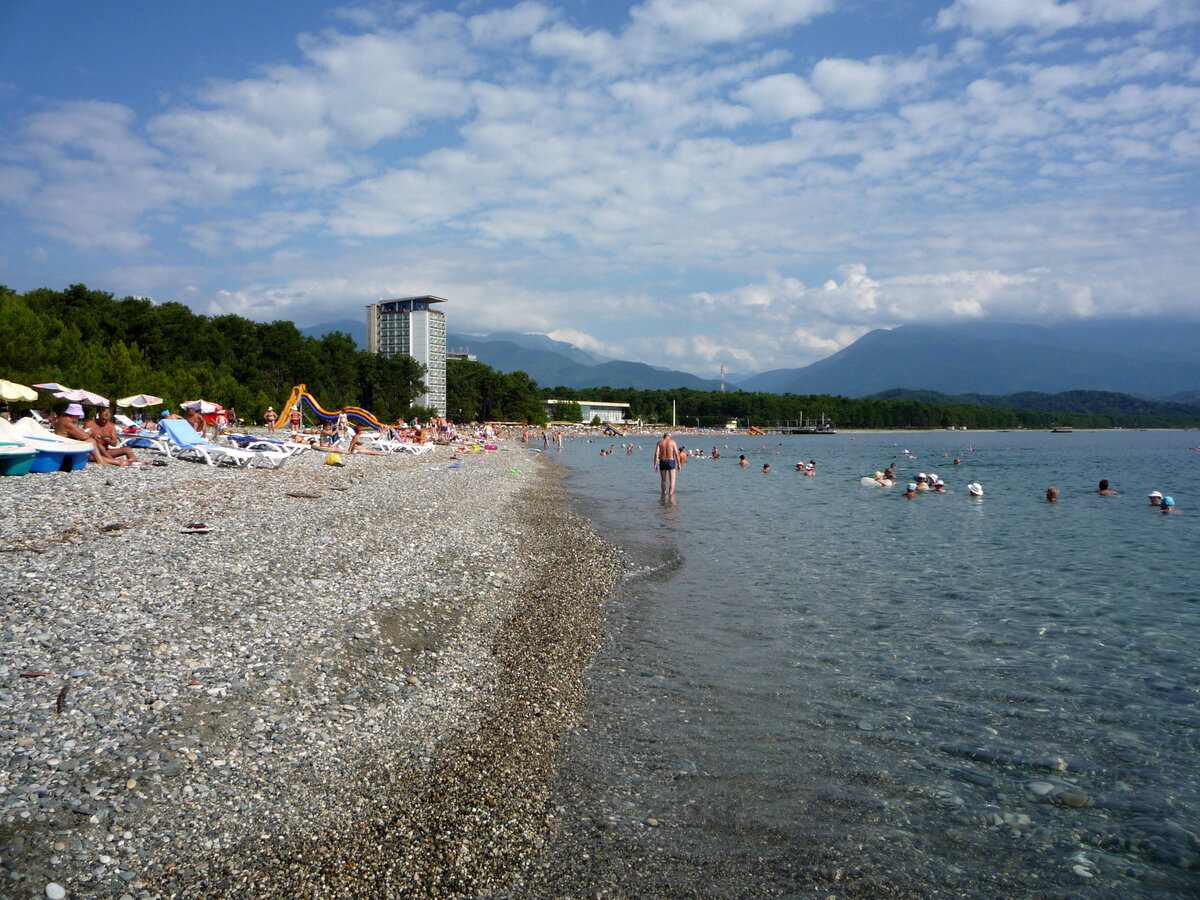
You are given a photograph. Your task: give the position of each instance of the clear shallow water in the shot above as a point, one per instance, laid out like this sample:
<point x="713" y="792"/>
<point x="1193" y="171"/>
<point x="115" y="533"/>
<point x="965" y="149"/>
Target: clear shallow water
<point x="822" y="688"/>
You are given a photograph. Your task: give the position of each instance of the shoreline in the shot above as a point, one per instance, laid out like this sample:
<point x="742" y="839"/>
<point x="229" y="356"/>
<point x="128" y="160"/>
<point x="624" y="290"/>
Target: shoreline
<point x="358" y="689"/>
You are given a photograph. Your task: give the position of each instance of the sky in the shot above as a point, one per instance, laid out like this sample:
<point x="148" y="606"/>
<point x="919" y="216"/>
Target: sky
<point x="688" y="183"/>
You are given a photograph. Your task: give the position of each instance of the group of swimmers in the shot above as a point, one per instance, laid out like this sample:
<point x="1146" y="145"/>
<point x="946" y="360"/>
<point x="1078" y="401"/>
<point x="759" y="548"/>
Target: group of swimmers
<point x="669" y="457"/>
<point x="1165" y="504"/>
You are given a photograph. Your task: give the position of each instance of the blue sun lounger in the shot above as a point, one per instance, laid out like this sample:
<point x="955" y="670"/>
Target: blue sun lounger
<point x="187" y="443"/>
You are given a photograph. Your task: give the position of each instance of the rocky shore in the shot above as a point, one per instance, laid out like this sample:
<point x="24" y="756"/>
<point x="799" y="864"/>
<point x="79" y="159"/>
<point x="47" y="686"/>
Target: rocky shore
<point x="353" y="684"/>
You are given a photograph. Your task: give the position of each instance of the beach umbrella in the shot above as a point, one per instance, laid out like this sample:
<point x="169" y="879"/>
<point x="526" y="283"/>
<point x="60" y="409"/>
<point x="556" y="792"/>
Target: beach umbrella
<point x="140" y="401"/>
<point x="10" y="390"/>
<point x="79" y="395"/>
<point x="75" y="395"/>
<point x="204" y="407"/>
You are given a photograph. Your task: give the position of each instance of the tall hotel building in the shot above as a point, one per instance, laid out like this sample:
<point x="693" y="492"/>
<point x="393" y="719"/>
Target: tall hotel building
<point x="412" y="327"/>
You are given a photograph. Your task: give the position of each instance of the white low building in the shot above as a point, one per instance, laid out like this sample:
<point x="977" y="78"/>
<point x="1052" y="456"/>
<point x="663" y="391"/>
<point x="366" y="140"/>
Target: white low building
<point x="608" y="413"/>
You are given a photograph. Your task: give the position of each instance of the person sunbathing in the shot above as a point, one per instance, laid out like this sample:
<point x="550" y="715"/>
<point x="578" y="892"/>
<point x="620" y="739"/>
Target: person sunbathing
<point x="104" y="433"/>
<point x="67" y="425"/>
<point x="356" y="448"/>
<point x="327" y="440"/>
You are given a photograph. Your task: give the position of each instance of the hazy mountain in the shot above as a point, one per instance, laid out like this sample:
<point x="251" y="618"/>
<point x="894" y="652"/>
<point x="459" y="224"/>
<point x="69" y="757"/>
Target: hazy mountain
<point x="356" y="328"/>
<point x="551" y="369"/>
<point x="1136" y="356"/>
<point x="1191" y="398"/>
<point x="549" y="362"/>
<point x="530" y="341"/>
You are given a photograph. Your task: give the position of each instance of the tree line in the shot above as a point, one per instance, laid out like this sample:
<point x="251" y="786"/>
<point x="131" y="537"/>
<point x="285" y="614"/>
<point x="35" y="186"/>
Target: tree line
<point x="87" y="339"/>
<point x="712" y="409"/>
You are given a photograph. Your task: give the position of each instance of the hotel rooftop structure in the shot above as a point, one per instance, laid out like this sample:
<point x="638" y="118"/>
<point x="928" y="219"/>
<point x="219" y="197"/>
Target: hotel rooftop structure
<point x="412" y="327"/>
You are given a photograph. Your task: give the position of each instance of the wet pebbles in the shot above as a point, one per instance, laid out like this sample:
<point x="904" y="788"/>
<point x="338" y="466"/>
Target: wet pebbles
<point x="352" y="682"/>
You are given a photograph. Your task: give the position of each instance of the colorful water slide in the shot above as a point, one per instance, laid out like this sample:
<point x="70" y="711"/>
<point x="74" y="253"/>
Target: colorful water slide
<point x="301" y="398"/>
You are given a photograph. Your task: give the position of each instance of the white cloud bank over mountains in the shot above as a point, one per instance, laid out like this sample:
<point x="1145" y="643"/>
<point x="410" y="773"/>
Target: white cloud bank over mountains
<point x="756" y="182"/>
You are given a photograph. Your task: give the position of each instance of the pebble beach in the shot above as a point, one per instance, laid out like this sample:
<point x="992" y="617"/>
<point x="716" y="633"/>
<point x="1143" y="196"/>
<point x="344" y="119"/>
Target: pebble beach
<point x="353" y="682"/>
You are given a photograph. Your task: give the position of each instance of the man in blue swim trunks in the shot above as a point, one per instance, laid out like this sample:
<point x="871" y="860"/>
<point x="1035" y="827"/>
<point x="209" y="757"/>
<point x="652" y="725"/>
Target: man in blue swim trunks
<point x="666" y="461"/>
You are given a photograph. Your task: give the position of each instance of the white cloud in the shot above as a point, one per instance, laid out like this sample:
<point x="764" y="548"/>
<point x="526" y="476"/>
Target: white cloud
<point x="1050" y="16"/>
<point x="853" y="84"/>
<point x="96" y="179"/>
<point x="572" y="45"/>
<point x="984" y="16"/>
<point x="17" y="184"/>
<point x="780" y="97"/>
<point x="302" y="124"/>
<point x="579" y="339"/>
<point x="500" y="26"/>
<point x="714" y="21"/>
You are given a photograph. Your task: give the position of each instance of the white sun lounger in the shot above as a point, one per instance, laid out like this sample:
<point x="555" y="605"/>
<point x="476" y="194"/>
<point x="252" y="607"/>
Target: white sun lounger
<point x="265" y="445"/>
<point x="405" y="447"/>
<point x="155" y="441"/>
<point x="188" y="444"/>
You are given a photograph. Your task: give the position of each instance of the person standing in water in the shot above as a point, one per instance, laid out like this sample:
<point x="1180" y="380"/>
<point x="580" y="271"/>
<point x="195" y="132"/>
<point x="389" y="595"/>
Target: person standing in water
<point x="666" y="461"/>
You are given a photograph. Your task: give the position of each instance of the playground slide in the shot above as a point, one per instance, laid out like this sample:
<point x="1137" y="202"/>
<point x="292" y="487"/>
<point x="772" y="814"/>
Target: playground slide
<point x="354" y="414"/>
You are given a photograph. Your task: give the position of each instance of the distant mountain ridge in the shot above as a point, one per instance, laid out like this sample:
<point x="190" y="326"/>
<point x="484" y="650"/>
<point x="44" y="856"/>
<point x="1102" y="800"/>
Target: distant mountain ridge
<point x="1136" y="356"/>
<point x="552" y="369"/>
<point x="529" y="341"/>
<point x="1148" y="358"/>
<point x="356" y="328"/>
<point x="549" y="362"/>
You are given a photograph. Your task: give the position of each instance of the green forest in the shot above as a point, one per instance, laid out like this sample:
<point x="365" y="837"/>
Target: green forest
<point x="87" y="339"/>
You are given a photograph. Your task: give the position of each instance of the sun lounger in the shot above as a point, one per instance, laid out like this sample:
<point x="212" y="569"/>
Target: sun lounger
<point x="146" y="440"/>
<point x="405" y="447"/>
<point x="268" y="445"/>
<point x="186" y="443"/>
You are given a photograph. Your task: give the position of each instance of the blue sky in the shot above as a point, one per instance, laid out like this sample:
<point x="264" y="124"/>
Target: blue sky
<point x="684" y="182"/>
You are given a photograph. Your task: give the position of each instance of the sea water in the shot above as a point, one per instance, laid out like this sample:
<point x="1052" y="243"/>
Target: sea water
<point x="816" y="688"/>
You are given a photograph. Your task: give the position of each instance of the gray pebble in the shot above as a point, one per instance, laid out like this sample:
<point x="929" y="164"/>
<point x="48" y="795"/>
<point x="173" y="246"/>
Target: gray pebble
<point x="209" y="702"/>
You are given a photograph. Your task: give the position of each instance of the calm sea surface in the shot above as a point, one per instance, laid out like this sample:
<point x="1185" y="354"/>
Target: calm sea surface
<point x="816" y="688"/>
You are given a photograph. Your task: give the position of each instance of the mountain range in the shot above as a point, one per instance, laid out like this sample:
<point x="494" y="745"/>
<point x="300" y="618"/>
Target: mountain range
<point x="1142" y="357"/>
<point x="1149" y="358"/>
<point x="549" y="362"/>
<point x="554" y="364"/>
